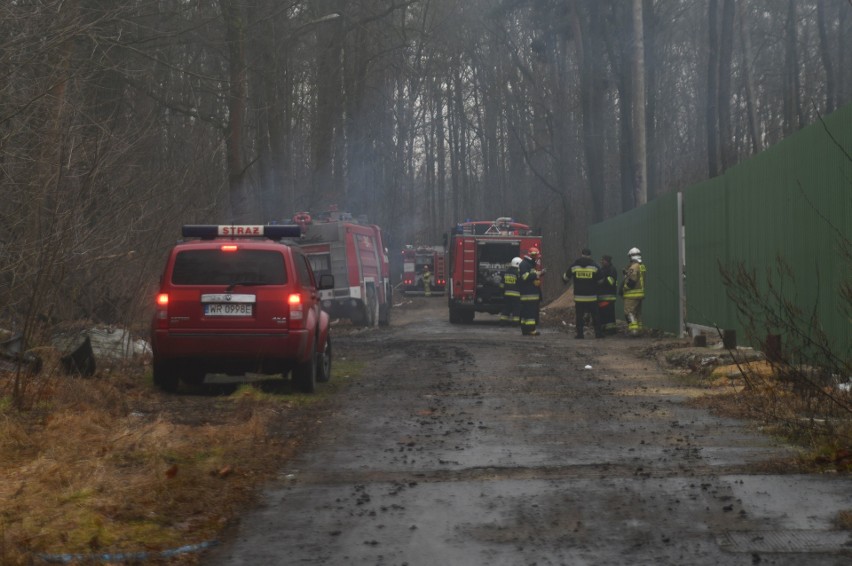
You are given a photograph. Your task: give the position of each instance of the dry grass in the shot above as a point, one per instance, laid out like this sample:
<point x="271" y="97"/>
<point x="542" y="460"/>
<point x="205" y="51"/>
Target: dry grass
<point x="817" y="420"/>
<point x="110" y="465"/>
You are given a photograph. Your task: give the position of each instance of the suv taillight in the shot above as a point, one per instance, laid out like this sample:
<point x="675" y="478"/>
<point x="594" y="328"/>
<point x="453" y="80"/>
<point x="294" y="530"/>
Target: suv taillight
<point x="162" y="312"/>
<point x="297" y="313"/>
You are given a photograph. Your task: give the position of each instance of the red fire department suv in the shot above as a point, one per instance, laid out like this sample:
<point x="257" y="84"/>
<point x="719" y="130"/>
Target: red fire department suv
<point x="237" y="301"/>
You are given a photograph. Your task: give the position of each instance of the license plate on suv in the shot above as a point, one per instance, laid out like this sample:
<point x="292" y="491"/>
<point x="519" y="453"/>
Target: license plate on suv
<point x="227" y="305"/>
<point x="227" y="309"/>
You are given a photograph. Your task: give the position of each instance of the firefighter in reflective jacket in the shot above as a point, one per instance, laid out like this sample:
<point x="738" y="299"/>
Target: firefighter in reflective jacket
<point x="607" y="290"/>
<point x="427" y="281"/>
<point x="633" y="291"/>
<point x="583" y="275"/>
<point x="529" y="281"/>
<point x="511" y="314"/>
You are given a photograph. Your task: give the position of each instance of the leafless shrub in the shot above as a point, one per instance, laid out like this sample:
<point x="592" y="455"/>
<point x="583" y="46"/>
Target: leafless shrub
<point x="806" y="390"/>
<point x="94" y="172"/>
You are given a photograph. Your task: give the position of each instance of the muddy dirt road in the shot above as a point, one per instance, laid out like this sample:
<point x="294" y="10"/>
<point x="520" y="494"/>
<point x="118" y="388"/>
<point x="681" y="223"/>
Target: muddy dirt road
<point x="472" y="444"/>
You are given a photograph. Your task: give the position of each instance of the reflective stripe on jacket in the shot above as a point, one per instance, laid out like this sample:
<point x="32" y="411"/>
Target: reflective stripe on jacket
<point x="636" y="274"/>
<point x="510" y="283"/>
<point x="527" y="281"/>
<point x="583" y="274"/>
<point x="607" y="289"/>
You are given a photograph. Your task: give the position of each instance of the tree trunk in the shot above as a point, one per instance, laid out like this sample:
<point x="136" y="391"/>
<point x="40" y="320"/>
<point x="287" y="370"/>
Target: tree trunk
<point x="650" y="26"/>
<point x="791" y="74"/>
<point x="751" y="110"/>
<point x="461" y="143"/>
<point x="726" y="45"/>
<point x="640" y="159"/>
<point x="712" y="90"/>
<point x="441" y="155"/>
<point x="825" y="52"/>
<point x="620" y="51"/>
<point x="237" y="192"/>
<point x="592" y="88"/>
<point x="325" y="125"/>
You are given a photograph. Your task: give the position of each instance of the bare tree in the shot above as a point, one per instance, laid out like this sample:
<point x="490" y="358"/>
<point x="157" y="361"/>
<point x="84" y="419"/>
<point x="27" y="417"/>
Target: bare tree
<point x="792" y="101"/>
<point x="748" y="81"/>
<point x="825" y="53"/>
<point x="712" y="120"/>
<point x="640" y="159"/>
<point x="726" y="48"/>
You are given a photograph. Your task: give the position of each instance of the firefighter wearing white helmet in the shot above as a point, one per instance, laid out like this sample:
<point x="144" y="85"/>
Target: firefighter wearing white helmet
<point x="511" y="313"/>
<point x="633" y="291"/>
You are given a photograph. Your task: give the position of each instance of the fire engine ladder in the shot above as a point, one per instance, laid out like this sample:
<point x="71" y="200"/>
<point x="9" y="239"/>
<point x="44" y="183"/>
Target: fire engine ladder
<point x="468" y="267"/>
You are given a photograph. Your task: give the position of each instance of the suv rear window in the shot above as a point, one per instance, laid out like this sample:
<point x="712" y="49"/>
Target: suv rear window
<point x="215" y="267"/>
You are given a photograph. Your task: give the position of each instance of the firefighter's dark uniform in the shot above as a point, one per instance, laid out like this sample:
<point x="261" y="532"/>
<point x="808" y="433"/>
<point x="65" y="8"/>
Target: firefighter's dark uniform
<point x="583" y="274"/>
<point x="528" y="288"/>
<point x="511" y="313"/>
<point x="607" y="289"/>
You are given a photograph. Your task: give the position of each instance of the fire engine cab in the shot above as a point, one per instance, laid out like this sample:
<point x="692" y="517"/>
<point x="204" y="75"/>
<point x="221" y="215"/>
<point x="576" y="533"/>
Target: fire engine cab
<point x="353" y="251"/>
<point x="478" y="254"/>
<point x="414" y="259"/>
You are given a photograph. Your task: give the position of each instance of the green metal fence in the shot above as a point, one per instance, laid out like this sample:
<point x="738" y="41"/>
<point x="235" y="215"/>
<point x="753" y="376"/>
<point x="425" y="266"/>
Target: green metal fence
<point x="653" y="229"/>
<point x="792" y="203"/>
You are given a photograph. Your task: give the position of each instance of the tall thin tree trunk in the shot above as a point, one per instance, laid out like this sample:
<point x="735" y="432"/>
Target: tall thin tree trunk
<point x="726" y="47"/>
<point x="745" y="40"/>
<point x="325" y="125"/>
<point x="238" y="195"/>
<point x="441" y="155"/>
<point x="650" y="39"/>
<point x="461" y="143"/>
<point x="620" y="52"/>
<point x="825" y="51"/>
<point x="454" y="141"/>
<point x="711" y="119"/>
<point x="640" y="159"/>
<point x="791" y="74"/>
<point x="592" y="92"/>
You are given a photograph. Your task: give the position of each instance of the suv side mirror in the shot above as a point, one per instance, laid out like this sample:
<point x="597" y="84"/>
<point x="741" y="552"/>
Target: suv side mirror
<point x="326" y="281"/>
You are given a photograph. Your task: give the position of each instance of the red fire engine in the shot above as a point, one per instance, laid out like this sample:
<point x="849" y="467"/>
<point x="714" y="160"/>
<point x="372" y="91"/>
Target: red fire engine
<point x="478" y="254"/>
<point x="414" y="259"/>
<point x="352" y="251"/>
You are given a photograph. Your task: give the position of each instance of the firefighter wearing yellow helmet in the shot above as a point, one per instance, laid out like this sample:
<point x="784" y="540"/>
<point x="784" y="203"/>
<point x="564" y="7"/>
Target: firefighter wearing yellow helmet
<point x="633" y="291"/>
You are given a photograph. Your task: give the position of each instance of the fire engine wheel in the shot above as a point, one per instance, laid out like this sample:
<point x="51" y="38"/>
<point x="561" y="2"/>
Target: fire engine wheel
<point x="455" y="316"/>
<point x="305" y="375"/>
<point x="165" y="377"/>
<point x="324" y="364"/>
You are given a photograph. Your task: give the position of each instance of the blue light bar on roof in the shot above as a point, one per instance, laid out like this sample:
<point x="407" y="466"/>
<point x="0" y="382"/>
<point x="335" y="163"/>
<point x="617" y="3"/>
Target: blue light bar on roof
<point x="211" y="231"/>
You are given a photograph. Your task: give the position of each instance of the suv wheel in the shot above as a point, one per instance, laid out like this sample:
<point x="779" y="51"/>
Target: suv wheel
<point x="324" y="365"/>
<point x="305" y="375"/>
<point x="165" y="377"/>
